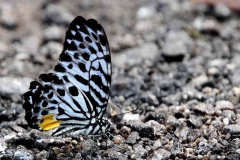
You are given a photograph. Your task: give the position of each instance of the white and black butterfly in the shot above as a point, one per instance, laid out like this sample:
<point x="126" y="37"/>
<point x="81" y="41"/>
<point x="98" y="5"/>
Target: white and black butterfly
<point x="74" y="98"/>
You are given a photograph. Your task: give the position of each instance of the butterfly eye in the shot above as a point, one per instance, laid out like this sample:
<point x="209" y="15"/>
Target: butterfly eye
<point x="74" y="97"/>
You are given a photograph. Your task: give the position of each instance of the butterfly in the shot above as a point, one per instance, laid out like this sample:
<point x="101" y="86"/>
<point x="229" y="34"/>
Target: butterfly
<point x="73" y="99"/>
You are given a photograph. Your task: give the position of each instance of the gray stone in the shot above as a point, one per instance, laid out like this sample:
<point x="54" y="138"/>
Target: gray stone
<point x="222" y="11"/>
<point x="223" y="105"/>
<point x="204" y="108"/>
<point x="161" y="154"/>
<point x="13" y="85"/>
<point x="52" y="50"/>
<point x="57" y="14"/>
<point x="232" y="129"/>
<point x="22" y="154"/>
<point x="136" y="55"/>
<point x="175" y="45"/>
<point x="9" y="17"/>
<point x="42" y="155"/>
<point x="53" y="33"/>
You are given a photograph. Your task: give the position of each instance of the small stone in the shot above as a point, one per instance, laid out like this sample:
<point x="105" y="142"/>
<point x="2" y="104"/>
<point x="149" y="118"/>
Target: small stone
<point x="145" y="12"/>
<point x="175" y="45"/>
<point x="13" y="85"/>
<point x="203" y="148"/>
<point x="157" y="144"/>
<point x="118" y="139"/>
<point x="172" y="121"/>
<point x="200" y="80"/>
<point x="125" y="131"/>
<point x="133" y="138"/>
<point x="213" y="71"/>
<point x="230" y="115"/>
<point x="135" y="55"/>
<point x="223" y="105"/>
<point x="194" y="121"/>
<point x="204" y="108"/>
<point x="57" y="14"/>
<point x="225" y="121"/>
<point x="9" y="16"/>
<point x="22" y="154"/>
<point x="236" y="91"/>
<point x="161" y="154"/>
<point x="42" y="155"/>
<point x="51" y="50"/>
<point x="209" y="26"/>
<point x="222" y="11"/>
<point x="53" y="33"/>
<point x="232" y="129"/>
<point x="130" y="116"/>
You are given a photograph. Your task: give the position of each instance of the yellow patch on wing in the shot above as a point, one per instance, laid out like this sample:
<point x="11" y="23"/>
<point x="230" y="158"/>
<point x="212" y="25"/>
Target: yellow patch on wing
<point x="48" y="122"/>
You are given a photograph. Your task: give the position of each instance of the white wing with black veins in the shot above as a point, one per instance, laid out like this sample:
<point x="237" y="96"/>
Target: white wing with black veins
<point x="74" y="98"/>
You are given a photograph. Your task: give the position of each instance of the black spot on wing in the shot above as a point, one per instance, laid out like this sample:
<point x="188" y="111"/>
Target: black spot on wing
<point x="70" y="66"/>
<point x="71" y="47"/>
<point x="61" y="92"/>
<point x="59" y="68"/>
<point x="92" y="50"/>
<point x="99" y="47"/>
<point x="50" y="95"/>
<point x="85" y="56"/>
<point x="76" y="56"/>
<point x="45" y="103"/>
<point x="46" y="77"/>
<point x="82" y="46"/>
<point x="65" y="57"/>
<point x="78" y="37"/>
<point x="57" y="80"/>
<point x="36" y="109"/>
<point x="82" y="67"/>
<point x="102" y="40"/>
<point x="92" y="23"/>
<point x="94" y="36"/>
<point x="73" y="91"/>
<point x="107" y="58"/>
<point x="81" y="80"/>
<point x="88" y="39"/>
<point x="44" y="112"/>
<point x="84" y="30"/>
<point x="66" y="78"/>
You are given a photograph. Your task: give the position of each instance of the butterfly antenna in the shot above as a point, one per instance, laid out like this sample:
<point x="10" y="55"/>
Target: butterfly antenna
<point x="132" y="111"/>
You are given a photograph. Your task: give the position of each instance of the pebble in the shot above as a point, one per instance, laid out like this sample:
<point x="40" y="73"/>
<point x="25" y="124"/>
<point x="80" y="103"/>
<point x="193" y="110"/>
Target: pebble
<point x="53" y="33"/>
<point x="222" y="11"/>
<point x="232" y="129"/>
<point x="42" y="155"/>
<point x="204" y="108"/>
<point x="145" y="12"/>
<point x="236" y="91"/>
<point x="135" y="55"/>
<point x="51" y="50"/>
<point x="17" y="86"/>
<point x="161" y="154"/>
<point x="22" y="154"/>
<point x="175" y="45"/>
<point x="223" y="105"/>
<point x="9" y="16"/>
<point x="57" y="14"/>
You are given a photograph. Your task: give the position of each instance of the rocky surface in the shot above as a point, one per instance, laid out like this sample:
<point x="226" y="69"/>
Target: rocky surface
<point x="176" y="61"/>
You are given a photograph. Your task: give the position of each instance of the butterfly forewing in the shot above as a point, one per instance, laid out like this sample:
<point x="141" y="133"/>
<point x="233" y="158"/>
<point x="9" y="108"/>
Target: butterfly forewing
<point x="74" y="97"/>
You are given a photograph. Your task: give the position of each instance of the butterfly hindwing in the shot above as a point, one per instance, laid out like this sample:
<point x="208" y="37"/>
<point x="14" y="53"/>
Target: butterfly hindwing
<point x="74" y="97"/>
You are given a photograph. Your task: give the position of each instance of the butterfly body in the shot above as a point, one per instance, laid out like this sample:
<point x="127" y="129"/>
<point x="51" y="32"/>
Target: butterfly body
<point x="74" y="98"/>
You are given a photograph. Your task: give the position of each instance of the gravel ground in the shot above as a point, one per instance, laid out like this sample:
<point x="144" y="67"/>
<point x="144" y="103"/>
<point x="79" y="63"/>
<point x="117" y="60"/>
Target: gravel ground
<point x="177" y="61"/>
